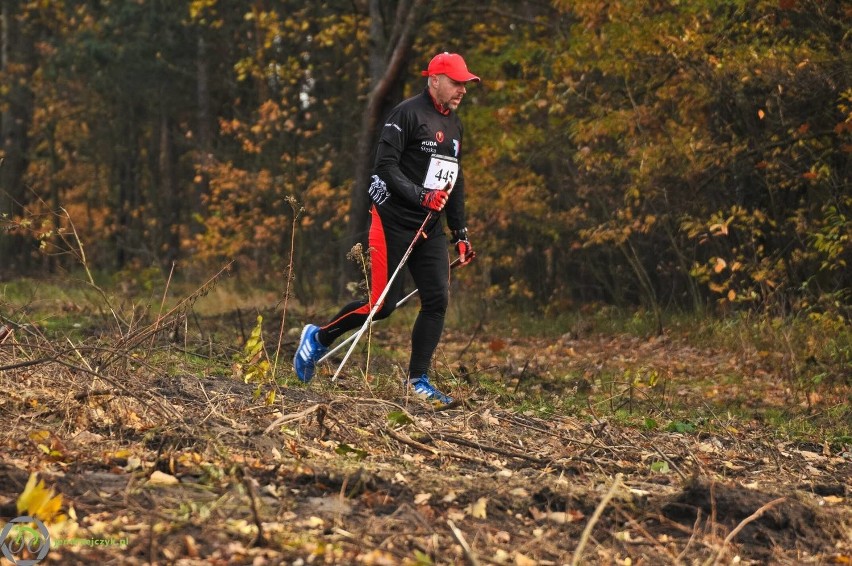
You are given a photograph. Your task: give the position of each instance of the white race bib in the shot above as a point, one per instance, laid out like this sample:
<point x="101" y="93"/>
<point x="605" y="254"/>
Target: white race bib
<point x="442" y="170"/>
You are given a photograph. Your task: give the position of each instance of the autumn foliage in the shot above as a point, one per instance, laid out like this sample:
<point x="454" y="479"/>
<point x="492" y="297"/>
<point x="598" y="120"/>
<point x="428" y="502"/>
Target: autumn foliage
<point x="636" y="153"/>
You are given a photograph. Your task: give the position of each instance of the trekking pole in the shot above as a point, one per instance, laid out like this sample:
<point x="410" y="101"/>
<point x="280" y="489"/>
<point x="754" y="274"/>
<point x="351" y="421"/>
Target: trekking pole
<point x="456" y="262"/>
<point x="380" y="300"/>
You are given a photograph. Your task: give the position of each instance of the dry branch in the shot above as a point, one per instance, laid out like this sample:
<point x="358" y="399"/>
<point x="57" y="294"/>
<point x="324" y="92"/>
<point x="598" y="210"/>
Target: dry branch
<point x="294" y="417"/>
<point x="587" y="532"/>
<point x="753" y="517"/>
<point x="468" y="552"/>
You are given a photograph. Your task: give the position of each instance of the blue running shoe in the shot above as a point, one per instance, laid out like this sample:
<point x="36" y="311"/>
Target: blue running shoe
<point x="310" y="350"/>
<point x="425" y="390"/>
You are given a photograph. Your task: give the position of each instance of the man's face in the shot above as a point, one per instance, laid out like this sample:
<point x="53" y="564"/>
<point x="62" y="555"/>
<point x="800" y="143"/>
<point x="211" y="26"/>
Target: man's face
<point x="447" y="92"/>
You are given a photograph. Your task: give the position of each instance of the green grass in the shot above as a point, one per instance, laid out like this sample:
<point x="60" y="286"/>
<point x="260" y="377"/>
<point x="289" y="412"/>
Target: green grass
<point x="809" y="354"/>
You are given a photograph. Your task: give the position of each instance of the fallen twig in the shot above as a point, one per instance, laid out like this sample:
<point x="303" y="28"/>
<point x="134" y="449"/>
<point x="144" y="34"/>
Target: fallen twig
<point x="161" y="408"/>
<point x="457" y="534"/>
<point x="405" y="439"/>
<point x="508" y="453"/>
<point x="587" y="532"/>
<point x="753" y="517"/>
<point x="669" y="460"/>
<point x="260" y="539"/>
<point x="293" y="417"/>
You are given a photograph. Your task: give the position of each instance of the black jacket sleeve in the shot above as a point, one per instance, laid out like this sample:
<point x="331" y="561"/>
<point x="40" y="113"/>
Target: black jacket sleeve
<point x="387" y="167"/>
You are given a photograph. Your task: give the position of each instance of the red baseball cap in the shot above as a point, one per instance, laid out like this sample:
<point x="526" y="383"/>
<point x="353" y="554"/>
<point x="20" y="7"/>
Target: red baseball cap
<point x="450" y="64"/>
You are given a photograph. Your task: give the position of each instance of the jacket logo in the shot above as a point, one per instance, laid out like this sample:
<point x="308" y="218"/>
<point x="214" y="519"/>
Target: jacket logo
<point x="439" y="135"/>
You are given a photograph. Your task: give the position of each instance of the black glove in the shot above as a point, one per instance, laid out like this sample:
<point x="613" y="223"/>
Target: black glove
<point x="466" y="253"/>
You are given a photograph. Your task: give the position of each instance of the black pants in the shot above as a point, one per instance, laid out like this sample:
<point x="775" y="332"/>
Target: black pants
<point x="429" y="265"/>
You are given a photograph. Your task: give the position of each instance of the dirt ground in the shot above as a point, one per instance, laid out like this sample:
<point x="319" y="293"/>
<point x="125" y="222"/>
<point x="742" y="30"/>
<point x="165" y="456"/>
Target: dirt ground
<point x="157" y="464"/>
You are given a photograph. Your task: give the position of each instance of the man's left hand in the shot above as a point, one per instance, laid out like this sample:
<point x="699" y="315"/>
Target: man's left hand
<point x="466" y="253"/>
<point x="462" y="243"/>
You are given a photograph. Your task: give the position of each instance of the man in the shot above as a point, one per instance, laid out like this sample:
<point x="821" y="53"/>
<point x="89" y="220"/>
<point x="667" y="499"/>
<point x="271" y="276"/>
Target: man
<point x="417" y="174"/>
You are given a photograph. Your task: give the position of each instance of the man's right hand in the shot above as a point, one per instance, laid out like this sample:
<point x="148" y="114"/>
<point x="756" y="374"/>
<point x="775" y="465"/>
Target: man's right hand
<point x="434" y="200"/>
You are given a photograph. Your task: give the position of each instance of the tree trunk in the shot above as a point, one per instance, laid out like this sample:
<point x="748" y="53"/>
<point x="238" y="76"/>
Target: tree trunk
<point x="391" y="49"/>
<point x="170" y="203"/>
<point x="130" y="215"/>
<point x="16" y="63"/>
<point x="201" y="186"/>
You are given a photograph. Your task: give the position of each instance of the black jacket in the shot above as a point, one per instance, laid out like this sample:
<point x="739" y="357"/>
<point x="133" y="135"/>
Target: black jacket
<point x="415" y="131"/>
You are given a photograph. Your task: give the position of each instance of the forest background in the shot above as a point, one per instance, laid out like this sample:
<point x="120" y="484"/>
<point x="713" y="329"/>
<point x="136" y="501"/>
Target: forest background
<point x="658" y="154"/>
<point x="680" y="168"/>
